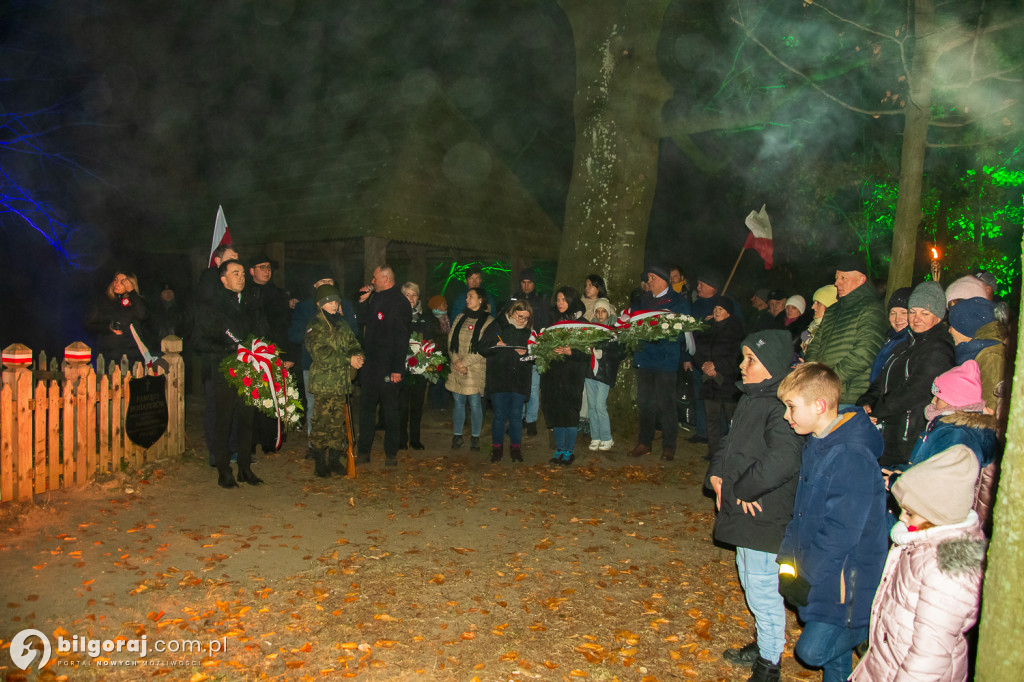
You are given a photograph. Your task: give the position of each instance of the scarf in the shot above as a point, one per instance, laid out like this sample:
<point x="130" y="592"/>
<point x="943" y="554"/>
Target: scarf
<point x="480" y="316"/>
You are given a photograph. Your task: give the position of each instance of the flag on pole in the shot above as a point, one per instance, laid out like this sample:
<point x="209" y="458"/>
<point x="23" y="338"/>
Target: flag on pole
<point x="760" y="237"/>
<point x="221" y="233"/>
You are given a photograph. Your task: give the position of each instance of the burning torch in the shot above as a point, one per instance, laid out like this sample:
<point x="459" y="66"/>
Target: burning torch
<point x="936" y="264"/>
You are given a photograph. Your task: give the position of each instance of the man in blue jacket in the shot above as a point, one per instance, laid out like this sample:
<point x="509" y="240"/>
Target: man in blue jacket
<point x="656" y="366"/>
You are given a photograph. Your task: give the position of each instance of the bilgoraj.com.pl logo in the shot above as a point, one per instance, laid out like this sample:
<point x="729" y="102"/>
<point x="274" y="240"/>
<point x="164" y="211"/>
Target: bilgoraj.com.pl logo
<point x="28" y="644"/>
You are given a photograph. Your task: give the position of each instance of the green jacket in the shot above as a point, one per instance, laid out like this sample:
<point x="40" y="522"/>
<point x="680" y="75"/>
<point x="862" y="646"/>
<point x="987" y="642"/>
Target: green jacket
<point x="848" y="339"/>
<point x="331" y="348"/>
<point x="992" y="363"/>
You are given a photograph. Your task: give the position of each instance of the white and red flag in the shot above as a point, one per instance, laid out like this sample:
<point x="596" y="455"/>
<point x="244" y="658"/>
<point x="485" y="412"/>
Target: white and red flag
<point x="221" y="233"/>
<point x="760" y="237"/>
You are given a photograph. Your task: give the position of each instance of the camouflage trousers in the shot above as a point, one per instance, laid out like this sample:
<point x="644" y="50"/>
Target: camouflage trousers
<point x="329" y="422"/>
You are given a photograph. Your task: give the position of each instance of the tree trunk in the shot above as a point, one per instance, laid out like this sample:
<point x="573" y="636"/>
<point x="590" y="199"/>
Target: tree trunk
<point x="617" y="108"/>
<point x="1000" y="656"/>
<point x="915" y="140"/>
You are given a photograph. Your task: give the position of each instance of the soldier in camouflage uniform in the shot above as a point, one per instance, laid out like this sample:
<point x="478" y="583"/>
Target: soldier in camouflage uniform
<point x="334" y="350"/>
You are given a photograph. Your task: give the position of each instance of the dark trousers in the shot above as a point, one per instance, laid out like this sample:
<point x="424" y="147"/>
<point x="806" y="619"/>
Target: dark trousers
<point x="508" y="407"/>
<point x="388" y="395"/>
<point x="230" y="408"/>
<point x="656" y="399"/>
<point x="209" y="421"/>
<point x="413" y="394"/>
<point x="718" y="411"/>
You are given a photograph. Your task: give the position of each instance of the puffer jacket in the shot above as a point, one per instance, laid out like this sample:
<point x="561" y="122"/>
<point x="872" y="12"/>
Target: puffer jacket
<point x="475" y="380"/>
<point x="927" y="599"/>
<point x="977" y="431"/>
<point x="661" y="356"/>
<point x="837" y="538"/>
<point x="759" y="461"/>
<point x="848" y="338"/>
<point x="605" y="368"/>
<point x="900" y="393"/>
<point x="331" y="347"/>
<point x="507" y="370"/>
<point x="991" y="359"/>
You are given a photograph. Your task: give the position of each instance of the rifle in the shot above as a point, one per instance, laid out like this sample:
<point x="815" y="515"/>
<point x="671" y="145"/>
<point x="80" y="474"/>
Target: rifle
<point x="348" y="433"/>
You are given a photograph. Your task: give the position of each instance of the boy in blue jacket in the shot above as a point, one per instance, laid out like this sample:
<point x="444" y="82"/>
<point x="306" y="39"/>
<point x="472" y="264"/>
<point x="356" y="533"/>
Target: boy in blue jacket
<point x="831" y="557"/>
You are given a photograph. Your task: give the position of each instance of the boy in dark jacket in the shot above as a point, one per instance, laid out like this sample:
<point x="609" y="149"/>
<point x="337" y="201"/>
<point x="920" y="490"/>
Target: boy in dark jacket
<point x="832" y="555"/>
<point x="754" y="477"/>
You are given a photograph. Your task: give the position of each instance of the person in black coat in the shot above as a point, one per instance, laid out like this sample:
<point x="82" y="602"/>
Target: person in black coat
<point x="228" y="313"/>
<point x="541" y="318"/>
<point x="561" y="386"/>
<point x="898" y="396"/>
<point x="758" y="463"/>
<point x="718" y="357"/>
<point x="509" y="376"/>
<point x="386" y="314"/>
<point x="414" y="386"/>
<point x="111" y="318"/>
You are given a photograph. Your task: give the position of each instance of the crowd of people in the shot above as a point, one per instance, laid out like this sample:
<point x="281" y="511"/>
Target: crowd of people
<point x="831" y="428"/>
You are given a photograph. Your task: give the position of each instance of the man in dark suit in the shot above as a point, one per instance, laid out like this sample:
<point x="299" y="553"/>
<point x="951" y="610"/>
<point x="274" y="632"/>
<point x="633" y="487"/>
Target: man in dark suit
<point x="386" y="316"/>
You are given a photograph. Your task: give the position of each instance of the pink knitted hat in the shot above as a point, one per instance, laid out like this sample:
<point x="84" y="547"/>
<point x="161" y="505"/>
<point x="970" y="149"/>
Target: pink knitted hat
<point x="960" y="386"/>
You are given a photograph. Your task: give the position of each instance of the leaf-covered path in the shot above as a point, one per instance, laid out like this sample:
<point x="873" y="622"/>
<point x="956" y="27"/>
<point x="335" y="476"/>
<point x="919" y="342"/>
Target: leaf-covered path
<point x="446" y="567"/>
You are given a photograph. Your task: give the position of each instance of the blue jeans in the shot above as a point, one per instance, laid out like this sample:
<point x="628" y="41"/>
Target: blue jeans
<point x="759" y="575"/>
<point x="476" y="413"/>
<point x="565" y="438"/>
<point x="829" y="647"/>
<point x="597" y="409"/>
<point x="507" y="408"/>
<point x="533" y="404"/>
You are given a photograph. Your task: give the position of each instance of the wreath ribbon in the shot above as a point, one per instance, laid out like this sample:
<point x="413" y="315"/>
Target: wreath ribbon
<point x="260" y="356"/>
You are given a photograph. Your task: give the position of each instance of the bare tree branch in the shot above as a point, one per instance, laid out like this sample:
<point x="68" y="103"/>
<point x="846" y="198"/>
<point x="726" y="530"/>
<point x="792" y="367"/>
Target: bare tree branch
<point x="811" y="82"/>
<point x="899" y="42"/>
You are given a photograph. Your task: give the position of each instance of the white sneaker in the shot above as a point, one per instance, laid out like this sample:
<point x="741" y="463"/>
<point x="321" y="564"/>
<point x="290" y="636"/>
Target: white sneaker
<point x="595" y="444"/>
<point x="606" y="445"/>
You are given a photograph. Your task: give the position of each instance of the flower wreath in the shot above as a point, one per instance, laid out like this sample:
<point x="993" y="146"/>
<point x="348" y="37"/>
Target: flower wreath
<point x="426" y="360"/>
<point x="257" y="373"/>
<point x="650" y="326"/>
<point x="581" y="336"/>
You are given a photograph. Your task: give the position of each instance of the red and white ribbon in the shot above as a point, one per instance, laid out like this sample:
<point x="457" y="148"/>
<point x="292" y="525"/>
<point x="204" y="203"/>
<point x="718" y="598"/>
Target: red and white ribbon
<point x="261" y="356"/>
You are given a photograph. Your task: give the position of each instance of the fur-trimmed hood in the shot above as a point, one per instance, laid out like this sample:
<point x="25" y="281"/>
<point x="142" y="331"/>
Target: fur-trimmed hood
<point x="959" y="548"/>
<point x="974" y="420"/>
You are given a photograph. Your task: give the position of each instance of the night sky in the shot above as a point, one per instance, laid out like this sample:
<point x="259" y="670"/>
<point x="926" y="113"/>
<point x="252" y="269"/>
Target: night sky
<point x="127" y="118"/>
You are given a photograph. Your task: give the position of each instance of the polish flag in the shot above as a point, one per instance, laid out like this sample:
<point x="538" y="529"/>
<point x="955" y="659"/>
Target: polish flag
<point x="760" y="237"/>
<point x="221" y="233"/>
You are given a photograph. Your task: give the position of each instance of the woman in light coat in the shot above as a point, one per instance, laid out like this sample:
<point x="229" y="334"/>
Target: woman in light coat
<point x="469" y="368"/>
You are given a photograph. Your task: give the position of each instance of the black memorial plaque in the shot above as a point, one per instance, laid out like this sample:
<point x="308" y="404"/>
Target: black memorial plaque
<point x="146" y="419"/>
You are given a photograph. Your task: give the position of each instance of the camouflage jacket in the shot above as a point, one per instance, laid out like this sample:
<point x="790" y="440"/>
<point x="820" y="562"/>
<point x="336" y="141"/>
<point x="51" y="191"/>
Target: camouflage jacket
<point x="332" y="348"/>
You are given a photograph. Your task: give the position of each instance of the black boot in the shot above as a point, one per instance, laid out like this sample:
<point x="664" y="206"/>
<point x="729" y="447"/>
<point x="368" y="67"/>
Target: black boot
<point x="765" y="671"/>
<point x="516" y="452"/>
<point x="474" y="442"/>
<point x="225" y="479"/>
<point x="319" y="464"/>
<point x="245" y="475"/>
<point x="744" y="656"/>
<point x="334" y="462"/>
<point x="456" y="442"/>
<point x="531" y="428"/>
<point x="497" y="452"/>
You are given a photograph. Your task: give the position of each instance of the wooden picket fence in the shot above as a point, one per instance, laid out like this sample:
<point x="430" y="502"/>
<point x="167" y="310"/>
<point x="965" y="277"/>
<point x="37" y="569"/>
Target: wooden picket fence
<point x="69" y="426"/>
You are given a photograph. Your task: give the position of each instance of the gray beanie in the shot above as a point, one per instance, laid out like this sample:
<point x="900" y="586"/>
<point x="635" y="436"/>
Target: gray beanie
<point x="930" y="296"/>
<point x="774" y="350"/>
<point x="941" y="488"/>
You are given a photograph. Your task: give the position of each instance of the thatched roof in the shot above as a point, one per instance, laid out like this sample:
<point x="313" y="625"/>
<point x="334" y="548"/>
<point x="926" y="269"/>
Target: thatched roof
<point x="384" y="166"/>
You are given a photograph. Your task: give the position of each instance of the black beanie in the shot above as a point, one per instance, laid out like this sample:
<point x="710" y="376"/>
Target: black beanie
<point x="900" y="298"/>
<point x="774" y="350"/>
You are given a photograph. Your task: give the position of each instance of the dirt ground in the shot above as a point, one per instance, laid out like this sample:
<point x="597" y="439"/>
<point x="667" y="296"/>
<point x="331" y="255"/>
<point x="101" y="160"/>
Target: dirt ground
<point x="446" y="567"/>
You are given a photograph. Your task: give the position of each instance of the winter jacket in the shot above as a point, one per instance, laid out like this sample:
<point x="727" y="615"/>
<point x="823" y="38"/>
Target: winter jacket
<point x="977" y="431"/>
<point x="561" y="386"/>
<point x="331" y="345"/>
<point x="541" y="308"/>
<point x="386" y="315"/>
<point x="474" y="380"/>
<point x="848" y="338"/>
<point x="892" y="339"/>
<point x="225" y="311"/>
<point x="837" y="538"/>
<point x="900" y="393"/>
<point x="988" y="349"/>
<point x="928" y="597"/>
<point x="661" y="356"/>
<point x="507" y="370"/>
<point x="720" y="345"/>
<point x="605" y="368"/>
<point x="758" y="462"/>
<point x="123" y="311"/>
